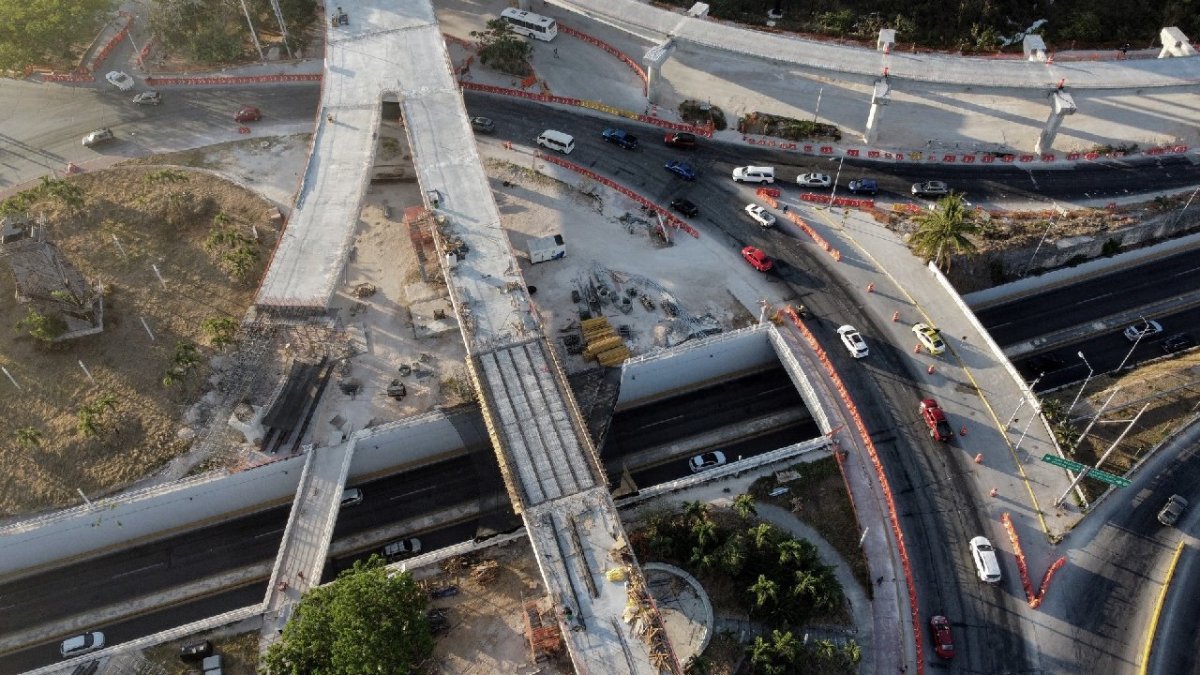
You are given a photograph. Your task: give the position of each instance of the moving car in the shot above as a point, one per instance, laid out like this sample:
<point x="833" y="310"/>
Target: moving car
<point x="402" y="547"/>
<point x="760" y="215"/>
<point x="119" y="80"/>
<point x="1178" y="342"/>
<point x="757" y="259"/>
<point x="706" y="461"/>
<point x="148" y="98"/>
<point x="98" y="136"/>
<point x="352" y="497"/>
<point x="681" y="169"/>
<point x="247" y="114"/>
<point x="863" y="186"/>
<point x="619" y="137"/>
<point x="930" y="188"/>
<point x="754" y="174"/>
<point x="987" y="566"/>
<point x="1172" y="510"/>
<point x="814" y="180"/>
<point x="929" y="337"/>
<point x="935" y="419"/>
<point x="943" y="642"/>
<point x="685" y="206"/>
<point x="483" y="125"/>
<point x="680" y="139"/>
<point x="855" y="344"/>
<point x="81" y="644"/>
<point x="1139" y="331"/>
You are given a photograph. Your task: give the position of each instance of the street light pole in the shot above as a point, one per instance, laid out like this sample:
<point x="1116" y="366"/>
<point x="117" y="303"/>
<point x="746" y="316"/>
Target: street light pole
<point x="1023" y="400"/>
<point x="1085" y="384"/>
<point x="836" y="177"/>
<point x="1141" y="334"/>
<point x="1082" y="474"/>
<point x="818" y="110"/>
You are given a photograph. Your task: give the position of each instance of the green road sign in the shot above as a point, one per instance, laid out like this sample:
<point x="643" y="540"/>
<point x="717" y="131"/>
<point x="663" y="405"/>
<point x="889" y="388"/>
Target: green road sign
<point x="1064" y="463"/>
<point x="1102" y="476"/>
<point x="1106" y="477"/>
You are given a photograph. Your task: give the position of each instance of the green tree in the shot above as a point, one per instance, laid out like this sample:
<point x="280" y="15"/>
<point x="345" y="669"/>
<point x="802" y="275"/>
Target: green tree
<point x="731" y="556"/>
<point x="29" y="437"/>
<point x="42" y="327"/>
<point x="944" y="231"/>
<point x="786" y="646"/>
<point x="695" y="511"/>
<point x="743" y="505"/>
<point x="704" y="533"/>
<point x="763" y="535"/>
<point x="797" y="553"/>
<point x="765" y="590"/>
<point x="221" y="330"/>
<point x="365" y="622"/>
<point x="38" y="32"/>
<point x="502" y="49"/>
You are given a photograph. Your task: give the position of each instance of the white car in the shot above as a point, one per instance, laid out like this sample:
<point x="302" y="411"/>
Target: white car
<point x="1140" y="331"/>
<point x="855" y="344"/>
<point x="987" y="566"/>
<point x="81" y="644"/>
<point x="814" y="180"/>
<point x="929" y="337"/>
<point x="119" y="80"/>
<point x="148" y="98"/>
<point x="760" y="215"/>
<point x="403" y="547"/>
<point x="706" y="461"/>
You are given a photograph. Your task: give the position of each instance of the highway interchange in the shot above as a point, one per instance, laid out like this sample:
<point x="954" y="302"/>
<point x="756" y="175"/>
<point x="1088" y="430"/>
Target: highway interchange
<point x="931" y="484"/>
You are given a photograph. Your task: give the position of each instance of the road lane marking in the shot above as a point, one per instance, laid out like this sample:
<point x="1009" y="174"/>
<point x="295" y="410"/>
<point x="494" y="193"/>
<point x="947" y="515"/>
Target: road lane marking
<point x="140" y="569"/>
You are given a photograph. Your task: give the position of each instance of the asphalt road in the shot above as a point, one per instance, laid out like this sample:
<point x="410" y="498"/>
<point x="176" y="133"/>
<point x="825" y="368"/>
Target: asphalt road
<point x="1095" y="298"/>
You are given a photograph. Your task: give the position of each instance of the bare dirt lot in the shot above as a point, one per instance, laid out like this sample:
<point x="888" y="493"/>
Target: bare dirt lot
<point x="194" y="229"/>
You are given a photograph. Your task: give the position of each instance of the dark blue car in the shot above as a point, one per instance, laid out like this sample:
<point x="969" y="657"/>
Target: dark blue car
<point x="681" y="169"/>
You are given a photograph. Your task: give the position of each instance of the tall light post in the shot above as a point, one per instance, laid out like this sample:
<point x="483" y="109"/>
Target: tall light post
<point x="836" y="177"/>
<point x="818" y="110"/>
<point x="1141" y="334"/>
<point x="1085" y="384"/>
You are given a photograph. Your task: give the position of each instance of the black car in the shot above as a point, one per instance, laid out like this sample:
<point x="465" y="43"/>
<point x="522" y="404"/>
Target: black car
<point x="1178" y="343"/>
<point x="621" y="138"/>
<point x="483" y="125"/>
<point x="685" y="206"/>
<point x="195" y="651"/>
<point x="680" y="139"/>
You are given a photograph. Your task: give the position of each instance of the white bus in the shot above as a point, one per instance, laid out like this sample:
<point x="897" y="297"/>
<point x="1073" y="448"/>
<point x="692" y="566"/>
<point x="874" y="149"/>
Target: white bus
<point x="530" y="24"/>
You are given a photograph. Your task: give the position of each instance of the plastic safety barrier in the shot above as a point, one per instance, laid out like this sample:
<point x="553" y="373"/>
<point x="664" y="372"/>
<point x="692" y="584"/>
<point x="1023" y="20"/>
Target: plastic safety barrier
<point x="250" y="79"/>
<point x="885" y="486"/>
<point x="669" y="217"/>
<point x="1034" y="599"/>
<point x="837" y="255"/>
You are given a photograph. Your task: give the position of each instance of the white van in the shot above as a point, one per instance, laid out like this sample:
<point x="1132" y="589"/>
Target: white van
<point x="556" y="140"/>
<point x="754" y="174"/>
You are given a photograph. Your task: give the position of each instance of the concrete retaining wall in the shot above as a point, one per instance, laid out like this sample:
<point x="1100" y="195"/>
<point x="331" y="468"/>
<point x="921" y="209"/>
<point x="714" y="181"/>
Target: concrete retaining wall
<point x="123" y="521"/>
<point x="664" y="374"/>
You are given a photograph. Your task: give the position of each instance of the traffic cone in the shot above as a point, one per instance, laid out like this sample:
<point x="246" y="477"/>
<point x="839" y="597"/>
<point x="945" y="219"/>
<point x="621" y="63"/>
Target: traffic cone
<point x="929" y="370"/>
<point x="917" y="348"/>
<point x="963" y="431"/>
<point x="994" y="492"/>
<point x="979" y="458"/>
<point x="895" y="316"/>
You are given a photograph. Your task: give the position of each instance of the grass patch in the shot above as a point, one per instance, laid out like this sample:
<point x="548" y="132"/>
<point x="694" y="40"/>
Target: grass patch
<point x="239" y="654"/>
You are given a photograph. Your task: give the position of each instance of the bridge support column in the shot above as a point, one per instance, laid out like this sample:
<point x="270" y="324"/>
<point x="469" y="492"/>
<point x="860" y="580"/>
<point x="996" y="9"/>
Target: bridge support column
<point x="886" y="40"/>
<point x="655" y="58"/>
<point x="1061" y="105"/>
<point x="879" y="98"/>
<point x="1034" y="47"/>
<point x="1175" y="43"/>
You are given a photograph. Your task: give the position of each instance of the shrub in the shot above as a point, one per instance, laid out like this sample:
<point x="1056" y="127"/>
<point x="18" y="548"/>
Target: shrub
<point x="503" y="50"/>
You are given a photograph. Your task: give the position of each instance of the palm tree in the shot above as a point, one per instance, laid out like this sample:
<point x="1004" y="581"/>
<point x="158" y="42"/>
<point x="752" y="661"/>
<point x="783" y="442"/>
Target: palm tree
<point x="732" y="555"/>
<point x="799" y="553"/>
<point x="826" y="649"/>
<point x="703" y="559"/>
<point x="28" y="437"/>
<point x="943" y="231"/>
<point x="764" y="589"/>
<point x="786" y="646"/>
<point x="851" y="652"/>
<point x="694" y="511"/>
<point x="763" y="534"/>
<point x="762" y="655"/>
<point x="743" y="505"/>
<point x="806" y="583"/>
<point x="705" y="533"/>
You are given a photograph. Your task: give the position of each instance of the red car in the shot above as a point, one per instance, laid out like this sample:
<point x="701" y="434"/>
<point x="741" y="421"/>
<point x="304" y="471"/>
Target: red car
<point x="943" y="642"/>
<point x="757" y="259"/>
<point x="247" y="114"/>
<point x="680" y="139"/>
<point x="935" y="419"/>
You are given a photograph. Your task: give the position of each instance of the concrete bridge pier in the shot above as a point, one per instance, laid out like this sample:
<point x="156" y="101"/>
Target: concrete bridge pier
<point x="879" y="98"/>
<point x="1061" y="105"/>
<point x="655" y="58"/>
<point x="1175" y="43"/>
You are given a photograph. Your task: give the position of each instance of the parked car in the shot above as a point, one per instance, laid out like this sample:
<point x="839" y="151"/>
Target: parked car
<point x="1178" y="343"/>
<point x="943" y="641"/>
<point x="930" y="188"/>
<point x="685" y="206"/>
<point x="148" y="98"/>
<point x="814" y="180"/>
<point x="1141" y="331"/>
<point x="706" y="461"/>
<point x="757" y="259"/>
<point x="98" y="137"/>
<point x="681" y="169"/>
<point x="987" y="566"/>
<point x="247" y="114"/>
<point x="402" y="548"/>
<point x="760" y="215"/>
<point x="621" y="138"/>
<point x="483" y="125"/>
<point x="119" y="80"/>
<point x="863" y="186"/>
<point x="352" y="497"/>
<point x="855" y="344"/>
<point x="81" y="644"/>
<point x="930" y="338"/>
<point x="754" y="174"/>
<point x="935" y="419"/>
<point x="680" y="139"/>
<point x="1172" y="510"/>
